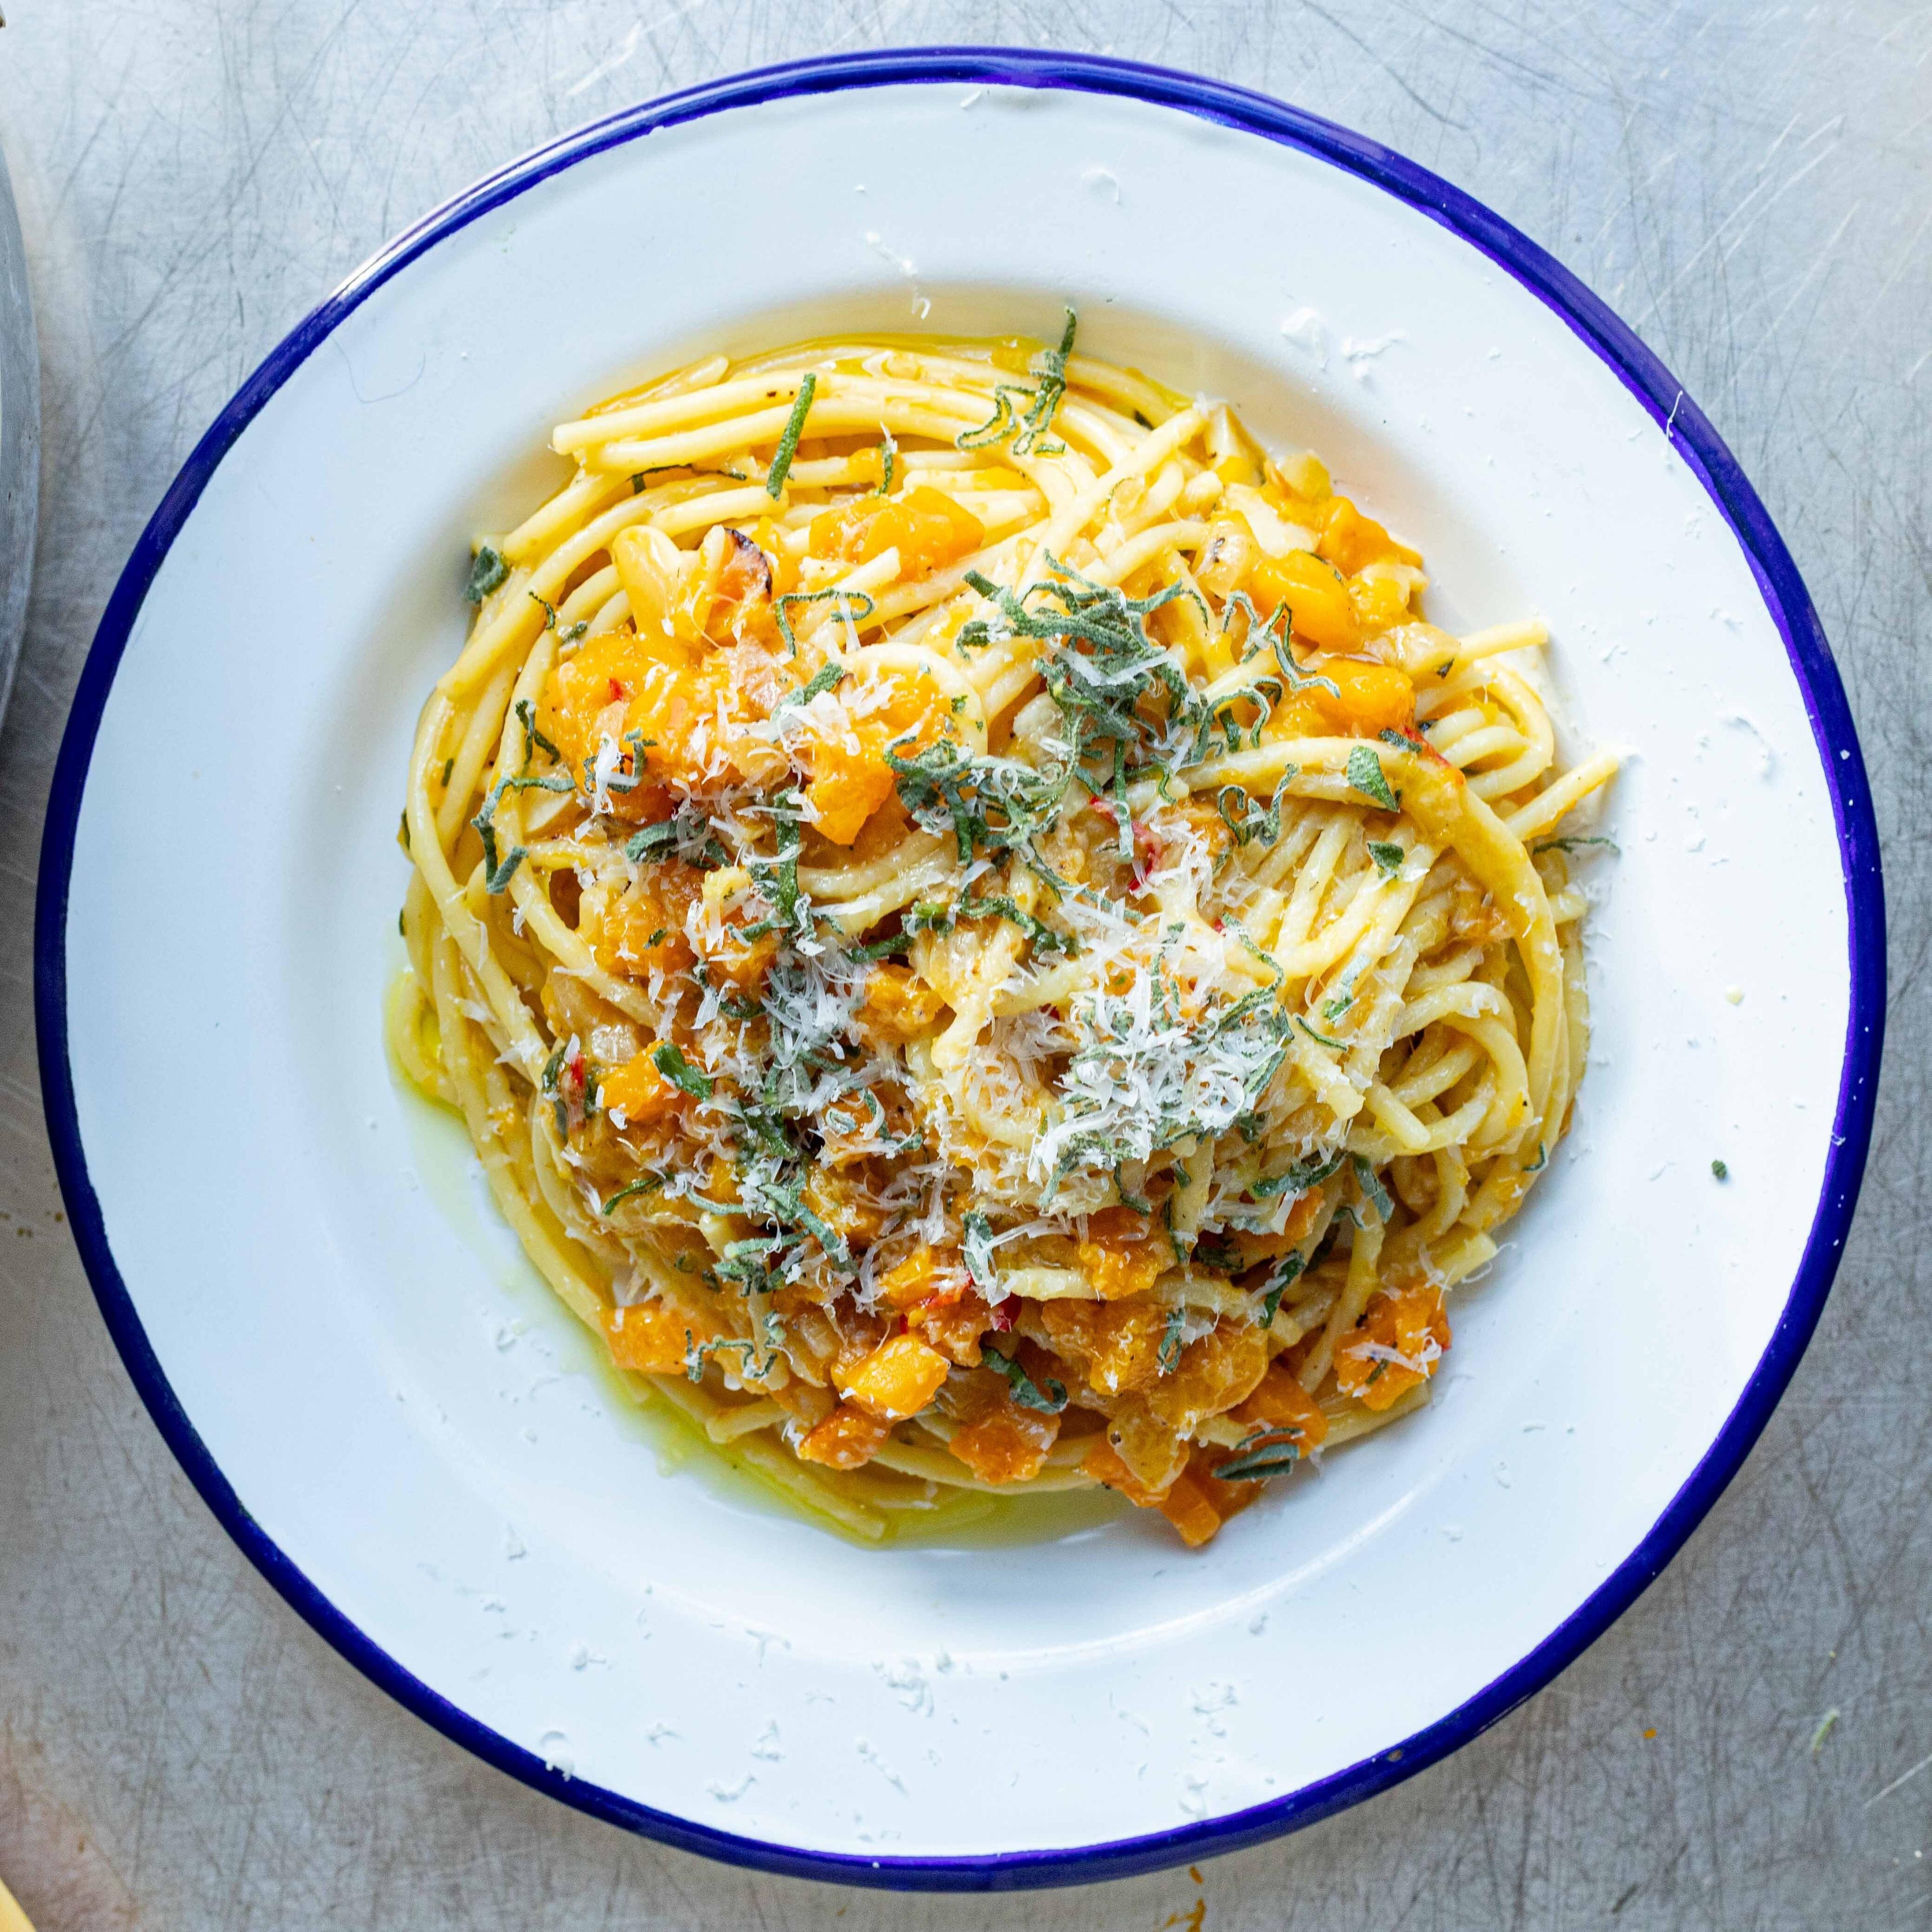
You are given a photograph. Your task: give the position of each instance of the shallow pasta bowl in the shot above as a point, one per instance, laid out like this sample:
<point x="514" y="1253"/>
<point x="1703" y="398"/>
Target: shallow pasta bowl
<point x="346" y="1351"/>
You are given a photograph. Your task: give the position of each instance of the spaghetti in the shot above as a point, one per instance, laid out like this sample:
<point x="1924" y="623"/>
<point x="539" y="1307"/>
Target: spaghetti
<point x="982" y="943"/>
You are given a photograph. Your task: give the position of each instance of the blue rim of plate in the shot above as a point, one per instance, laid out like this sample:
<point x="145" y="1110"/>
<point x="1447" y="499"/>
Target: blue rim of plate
<point x="1784" y="595"/>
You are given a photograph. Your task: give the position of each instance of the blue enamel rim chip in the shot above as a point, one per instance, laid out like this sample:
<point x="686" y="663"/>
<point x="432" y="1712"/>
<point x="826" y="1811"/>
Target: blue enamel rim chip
<point x="1784" y="595"/>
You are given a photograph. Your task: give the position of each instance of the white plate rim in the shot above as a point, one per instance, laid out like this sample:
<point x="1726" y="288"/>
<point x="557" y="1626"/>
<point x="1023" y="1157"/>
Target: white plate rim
<point x="1785" y="598"/>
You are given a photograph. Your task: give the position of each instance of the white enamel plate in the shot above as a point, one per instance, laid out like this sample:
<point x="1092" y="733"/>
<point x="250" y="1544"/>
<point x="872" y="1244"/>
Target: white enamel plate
<point x="344" y="1347"/>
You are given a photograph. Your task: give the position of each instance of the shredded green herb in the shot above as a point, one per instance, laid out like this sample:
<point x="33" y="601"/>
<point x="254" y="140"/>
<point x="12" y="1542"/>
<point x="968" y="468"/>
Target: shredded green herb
<point x="1299" y="1178"/>
<point x="1287" y="1272"/>
<point x="547" y="1085"/>
<point x="889" y="457"/>
<point x="924" y="915"/>
<point x="1269" y="1453"/>
<point x="672" y="1064"/>
<point x="977" y="1247"/>
<point x="1049" y="370"/>
<point x="1340" y="1045"/>
<point x="1029" y="426"/>
<point x="1334" y="1009"/>
<point x="1024" y="1390"/>
<point x="645" y="1184"/>
<point x="1720" y="1170"/>
<point x="1373" y="1191"/>
<point x="990" y="804"/>
<point x="696" y="1354"/>
<point x="496" y="877"/>
<point x="1388" y="857"/>
<point x="827" y="677"/>
<point x="526" y="716"/>
<point x="1572" y="843"/>
<point x="1217" y="1252"/>
<point x="1169" y="1358"/>
<point x="847" y="600"/>
<point x="1254" y="819"/>
<point x="1366" y="775"/>
<point x="488" y="572"/>
<point x="777" y="877"/>
<point x="997" y="426"/>
<point x="788" y="442"/>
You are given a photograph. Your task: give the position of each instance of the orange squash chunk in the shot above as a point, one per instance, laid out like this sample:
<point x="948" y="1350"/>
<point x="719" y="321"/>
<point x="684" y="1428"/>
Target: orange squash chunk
<point x="1373" y="698"/>
<point x="1120" y="1255"/>
<point x="850" y="778"/>
<point x="1187" y="1506"/>
<point x="913" y="1281"/>
<point x="848" y="1439"/>
<point x="998" y="1440"/>
<point x="1280" y="1402"/>
<point x="1136" y="1457"/>
<point x="639" y="1092"/>
<point x="929" y="1287"/>
<point x="1151" y="1452"/>
<point x="784" y="568"/>
<point x="953" y="1325"/>
<point x="650" y="1337"/>
<point x="1379" y="603"/>
<point x="743" y="962"/>
<point x="927" y="528"/>
<point x="855" y="1334"/>
<point x="742" y="600"/>
<point x="1103" y="1463"/>
<point x="1351" y="541"/>
<point x="1119" y="1341"/>
<point x="659" y="687"/>
<point x="1395" y="1346"/>
<point x="899" y="1006"/>
<point x="844" y="1201"/>
<point x="644" y="932"/>
<point x="897" y="1378"/>
<point x="1214" y="1373"/>
<point x="848" y="786"/>
<point x="1317" y="599"/>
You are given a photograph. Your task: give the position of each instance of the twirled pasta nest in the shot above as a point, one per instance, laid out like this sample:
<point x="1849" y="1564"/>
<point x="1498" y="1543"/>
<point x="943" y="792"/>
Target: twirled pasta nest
<point x="982" y="941"/>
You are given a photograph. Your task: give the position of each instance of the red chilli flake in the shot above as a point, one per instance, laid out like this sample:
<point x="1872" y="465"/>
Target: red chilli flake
<point x="1147" y="846"/>
<point x="573" y="1087"/>
<point x="1147" y="850"/>
<point x="1417" y="742"/>
<point x="616" y="690"/>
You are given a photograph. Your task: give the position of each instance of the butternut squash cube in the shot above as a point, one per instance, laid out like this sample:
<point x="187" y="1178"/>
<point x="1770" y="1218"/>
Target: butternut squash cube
<point x="897" y="1378"/>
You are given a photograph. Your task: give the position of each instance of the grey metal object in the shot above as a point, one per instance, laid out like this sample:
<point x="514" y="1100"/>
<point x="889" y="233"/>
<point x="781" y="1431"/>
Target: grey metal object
<point x="20" y="437"/>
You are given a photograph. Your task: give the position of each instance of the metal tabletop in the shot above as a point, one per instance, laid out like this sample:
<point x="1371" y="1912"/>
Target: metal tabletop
<point x="1751" y="187"/>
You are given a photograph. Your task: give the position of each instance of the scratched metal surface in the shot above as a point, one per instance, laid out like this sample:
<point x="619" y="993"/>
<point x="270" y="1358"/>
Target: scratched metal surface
<point x="1751" y="186"/>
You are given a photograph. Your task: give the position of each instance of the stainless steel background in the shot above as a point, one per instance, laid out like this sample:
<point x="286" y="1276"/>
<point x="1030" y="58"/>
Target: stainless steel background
<point x="1751" y="186"/>
<point x="20" y="436"/>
